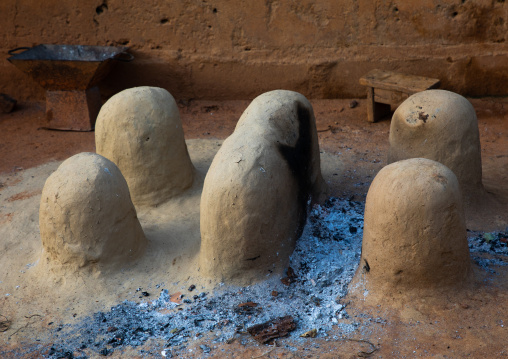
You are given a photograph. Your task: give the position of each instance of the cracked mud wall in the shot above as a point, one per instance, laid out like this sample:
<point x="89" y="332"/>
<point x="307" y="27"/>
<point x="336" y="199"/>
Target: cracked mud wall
<point x="237" y="50"/>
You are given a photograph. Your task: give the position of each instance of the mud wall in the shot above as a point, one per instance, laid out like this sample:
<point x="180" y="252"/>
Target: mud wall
<point x="238" y="49"/>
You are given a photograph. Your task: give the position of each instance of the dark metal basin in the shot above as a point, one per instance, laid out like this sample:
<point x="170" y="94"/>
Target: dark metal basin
<point x="67" y="67"/>
<point x="69" y="74"/>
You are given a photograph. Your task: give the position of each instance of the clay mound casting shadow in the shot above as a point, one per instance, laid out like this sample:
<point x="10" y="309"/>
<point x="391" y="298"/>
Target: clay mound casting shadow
<point x="258" y="189"/>
<point x="140" y="130"/>
<point x="414" y="232"/>
<point x="441" y="126"/>
<point x="86" y="215"/>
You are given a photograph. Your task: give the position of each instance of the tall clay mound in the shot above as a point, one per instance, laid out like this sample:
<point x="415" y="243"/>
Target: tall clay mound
<point x="414" y="231"/>
<point x="441" y="126"/>
<point x="258" y="189"/>
<point x="86" y="216"/>
<point x="140" y="130"/>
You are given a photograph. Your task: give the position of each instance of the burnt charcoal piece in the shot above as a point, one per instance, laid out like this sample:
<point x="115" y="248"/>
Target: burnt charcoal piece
<point x="290" y="278"/>
<point x="205" y="348"/>
<point x="106" y="352"/>
<point x="248" y="308"/>
<point x="286" y="281"/>
<point x="273" y="329"/>
<point x="62" y="353"/>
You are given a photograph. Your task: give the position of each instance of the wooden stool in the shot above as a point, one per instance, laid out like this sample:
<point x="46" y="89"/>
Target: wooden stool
<point x="386" y="89"/>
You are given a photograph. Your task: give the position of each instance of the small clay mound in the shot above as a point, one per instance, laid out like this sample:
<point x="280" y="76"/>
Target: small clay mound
<point x="258" y="189"/>
<point x="414" y="232"/>
<point x="140" y="130"/>
<point x="86" y="215"/>
<point x="441" y="126"/>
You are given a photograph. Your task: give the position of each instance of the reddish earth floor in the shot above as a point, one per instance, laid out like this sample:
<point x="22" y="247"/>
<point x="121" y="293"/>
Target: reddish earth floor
<point x="470" y="323"/>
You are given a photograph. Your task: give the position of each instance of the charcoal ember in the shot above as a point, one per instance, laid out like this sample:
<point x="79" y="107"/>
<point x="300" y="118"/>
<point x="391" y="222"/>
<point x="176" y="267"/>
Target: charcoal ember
<point x="337" y="237"/>
<point x="247" y="308"/>
<point x="117" y="340"/>
<point x="60" y="353"/>
<point x="286" y="281"/>
<point x="291" y="273"/>
<point x="210" y="305"/>
<point x="315" y="300"/>
<point x="106" y="352"/>
<point x="248" y="304"/>
<point x="222" y="323"/>
<point x="273" y="329"/>
<point x="330" y="202"/>
<point x="291" y="277"/>
<point x="198" y="319"/>
<point x="143" y="329"/>
<point x="205" y="348"/>
<point x="100" y="317"/>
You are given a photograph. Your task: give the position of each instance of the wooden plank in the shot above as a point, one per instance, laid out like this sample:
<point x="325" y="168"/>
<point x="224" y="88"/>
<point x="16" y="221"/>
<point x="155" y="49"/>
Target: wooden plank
<point x="389" y="96"/>
<point x="399" y="82"/>
<point x="375" y="110"/>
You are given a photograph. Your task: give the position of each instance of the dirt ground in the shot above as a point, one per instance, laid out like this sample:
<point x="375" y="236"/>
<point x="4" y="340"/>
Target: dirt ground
<point x="466" y="323"/>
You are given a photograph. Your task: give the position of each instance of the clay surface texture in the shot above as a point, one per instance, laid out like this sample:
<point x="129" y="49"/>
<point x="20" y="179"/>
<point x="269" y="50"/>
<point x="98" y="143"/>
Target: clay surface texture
<point x="414" y="233"/>
<point x="86" y="215"/>
<point x="258" y="189"/>
<point x="441" y="126"/>
<point x="140" y="130"/>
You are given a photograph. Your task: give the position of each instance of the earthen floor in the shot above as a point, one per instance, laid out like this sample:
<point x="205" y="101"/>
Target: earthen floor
<point x="468" y="324"/>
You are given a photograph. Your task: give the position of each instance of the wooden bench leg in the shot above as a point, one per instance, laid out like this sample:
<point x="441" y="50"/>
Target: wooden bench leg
<point x="375" y="110"/>
<point x="371" y="111"/>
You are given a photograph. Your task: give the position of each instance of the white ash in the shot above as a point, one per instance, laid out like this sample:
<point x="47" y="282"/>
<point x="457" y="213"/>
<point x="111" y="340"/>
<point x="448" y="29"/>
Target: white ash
<point x="324" y="261"/>
<point x="489" y="249"/>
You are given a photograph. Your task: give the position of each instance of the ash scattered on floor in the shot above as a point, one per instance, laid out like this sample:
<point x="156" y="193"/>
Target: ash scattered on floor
<point x="489" y="249"/>
<point x="321" y="268"/>
<point x="322" y="265"/>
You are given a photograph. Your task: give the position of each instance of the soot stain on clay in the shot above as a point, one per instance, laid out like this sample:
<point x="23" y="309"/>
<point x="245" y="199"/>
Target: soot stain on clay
<point x="422" y="116"/>
<point x="298" y="159"/>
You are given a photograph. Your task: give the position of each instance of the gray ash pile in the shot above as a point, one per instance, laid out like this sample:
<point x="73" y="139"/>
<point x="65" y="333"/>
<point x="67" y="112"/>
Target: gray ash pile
<point x="489" y="249"/>
<point x="322" y="265"/>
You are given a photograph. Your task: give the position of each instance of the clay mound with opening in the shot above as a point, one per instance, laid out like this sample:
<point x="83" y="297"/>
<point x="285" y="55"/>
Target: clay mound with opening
<point x="414" y="231"/>
<point x="86" y="215"/>
<point x="258" y="189"/>
<point x="140" y="130"/>
<point x="441" y="126"/>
